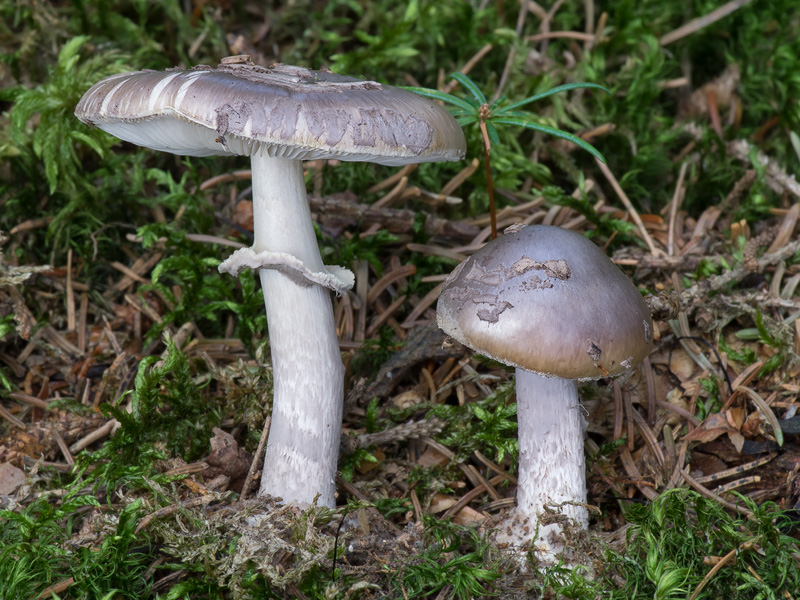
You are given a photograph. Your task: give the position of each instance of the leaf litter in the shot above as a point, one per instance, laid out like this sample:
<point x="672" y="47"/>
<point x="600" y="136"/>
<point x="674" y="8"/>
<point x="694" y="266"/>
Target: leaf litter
<point x="714" y="407"/>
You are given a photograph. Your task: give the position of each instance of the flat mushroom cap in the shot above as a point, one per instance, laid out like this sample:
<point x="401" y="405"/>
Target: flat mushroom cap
<point x="283" y="111"/>
<point x="547" y="300"/>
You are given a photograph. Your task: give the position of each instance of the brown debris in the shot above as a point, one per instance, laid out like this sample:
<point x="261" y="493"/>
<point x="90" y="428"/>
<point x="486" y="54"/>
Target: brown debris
<point x="424" y="343"/>
<point x="36" y="440"/>
<point x="341" y="210"/>
<point x="752" y="247"/>
<point x="11" y="478"/>
<point x="228" y="459"/>
<point x="720" y="92"/>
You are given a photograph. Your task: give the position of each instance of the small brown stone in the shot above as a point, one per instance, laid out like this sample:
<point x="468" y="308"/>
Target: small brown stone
<point x="11" y="478"/>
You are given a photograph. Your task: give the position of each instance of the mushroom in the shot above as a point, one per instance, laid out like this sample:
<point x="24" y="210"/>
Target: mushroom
<point x="548" y="302"/>
<point x="280" y="116"/>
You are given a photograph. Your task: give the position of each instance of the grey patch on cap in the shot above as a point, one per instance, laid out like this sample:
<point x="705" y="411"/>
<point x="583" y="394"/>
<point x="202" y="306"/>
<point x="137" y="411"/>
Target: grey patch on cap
<point x="536" y="283"/>
<point x="482" y="276"/>
<point x="332" y="122"/>
<point x="491" y="315"/>
<point x="594" y="352"/>
<point x="557" y="269"/>
<point x="395" y="129"/>
<point x="515" y="228"/>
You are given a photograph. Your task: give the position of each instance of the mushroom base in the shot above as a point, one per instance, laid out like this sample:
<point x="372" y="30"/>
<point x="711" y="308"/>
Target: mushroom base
<point x="552" y="478"/>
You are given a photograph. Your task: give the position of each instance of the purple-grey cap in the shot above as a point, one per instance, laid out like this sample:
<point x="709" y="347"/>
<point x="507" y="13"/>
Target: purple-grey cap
<point x="283" y="111"/>
<point x="547" y="300"/>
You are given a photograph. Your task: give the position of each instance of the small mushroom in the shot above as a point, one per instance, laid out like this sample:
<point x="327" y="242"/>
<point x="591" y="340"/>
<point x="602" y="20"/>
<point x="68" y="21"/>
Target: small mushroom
<point x="280" y="116"/>
<point x="549" y="302"/>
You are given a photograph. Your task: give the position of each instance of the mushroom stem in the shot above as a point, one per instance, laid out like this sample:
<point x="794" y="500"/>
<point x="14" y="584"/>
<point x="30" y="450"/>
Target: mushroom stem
<point x="303" y="445"/>
<point x="551" y="460"/>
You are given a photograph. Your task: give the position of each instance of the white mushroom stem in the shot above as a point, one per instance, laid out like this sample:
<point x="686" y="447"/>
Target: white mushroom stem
<point x="303" y="444"/>
<point x="551" y="460"/>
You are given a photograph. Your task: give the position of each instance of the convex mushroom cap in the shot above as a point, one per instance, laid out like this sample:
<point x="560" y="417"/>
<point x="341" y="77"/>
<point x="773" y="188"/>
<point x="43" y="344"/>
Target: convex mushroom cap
<point x="282" y="111"/>
<point x="547" y="300"/>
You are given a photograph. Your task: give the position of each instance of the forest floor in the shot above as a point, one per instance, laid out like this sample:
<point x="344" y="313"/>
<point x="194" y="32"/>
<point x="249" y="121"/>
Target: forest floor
<point x="135" y="380"/>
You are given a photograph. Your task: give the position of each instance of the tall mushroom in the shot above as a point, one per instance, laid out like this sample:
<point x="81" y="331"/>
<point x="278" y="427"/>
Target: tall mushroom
<point x="280" y="116"/>
<point x="549" y="302"/>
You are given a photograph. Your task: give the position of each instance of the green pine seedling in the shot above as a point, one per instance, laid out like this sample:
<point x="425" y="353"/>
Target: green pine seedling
<point x="469" y="111"/>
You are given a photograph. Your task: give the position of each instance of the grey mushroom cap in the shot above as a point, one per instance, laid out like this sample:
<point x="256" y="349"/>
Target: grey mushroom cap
<point x="283" y="111"/>
<point x="547" y="300"/>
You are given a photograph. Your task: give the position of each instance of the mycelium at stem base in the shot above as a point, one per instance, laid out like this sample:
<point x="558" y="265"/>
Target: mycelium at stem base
<point x="308" y="374"/>
<point x="551" y="465"/>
